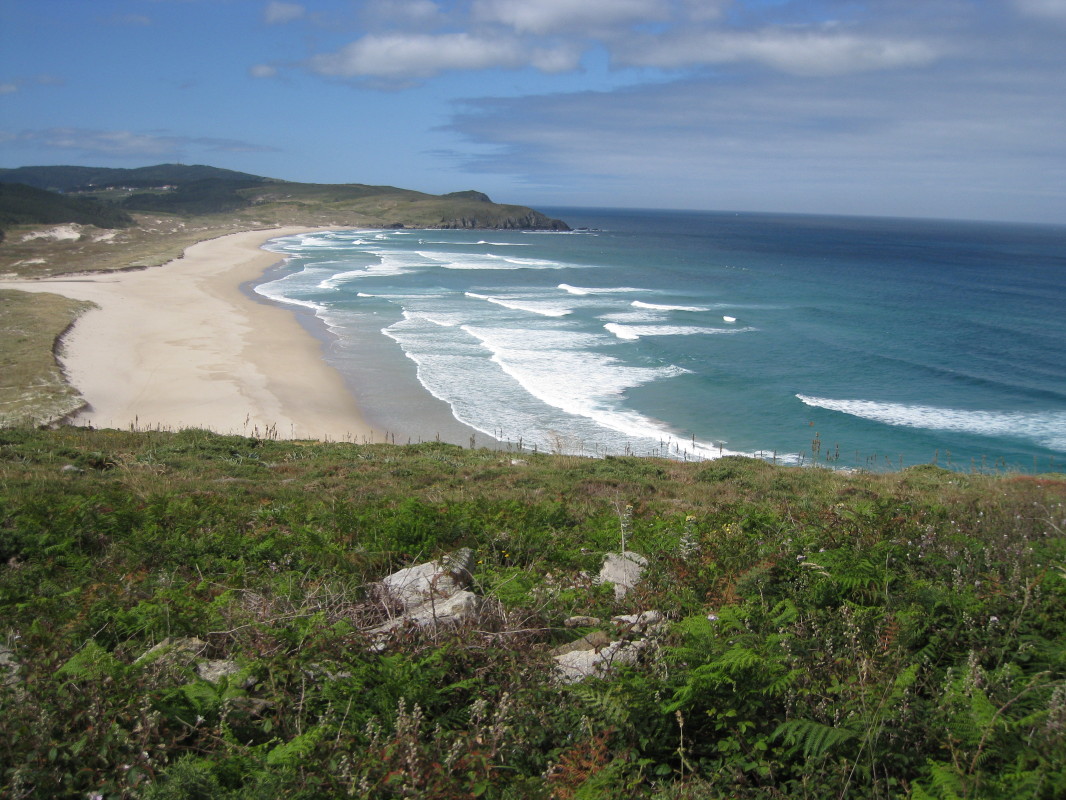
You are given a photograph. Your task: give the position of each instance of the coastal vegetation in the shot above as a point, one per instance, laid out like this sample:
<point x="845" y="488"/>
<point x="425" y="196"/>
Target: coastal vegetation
<point x="68" y="220"/>
<point x="825" y="633"/>
<point x="199" y="191"/>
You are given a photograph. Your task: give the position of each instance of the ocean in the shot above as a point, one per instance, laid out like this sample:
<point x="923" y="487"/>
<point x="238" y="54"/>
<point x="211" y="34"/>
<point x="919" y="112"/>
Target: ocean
<point x="856" y="342"/>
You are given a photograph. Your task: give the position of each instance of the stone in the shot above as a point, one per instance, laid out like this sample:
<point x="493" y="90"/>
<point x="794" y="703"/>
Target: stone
<point x="624" y="570"/>
<point x="213" y="670"/>
<point x="181" y="651"/>
<point x="581" y="622"/>
<point x="639" y="622"/>
<point x="413" y="586"/>
<point x="594" y="641"/>
<point x="580" y="664"/>
<point x="430" y="594"/>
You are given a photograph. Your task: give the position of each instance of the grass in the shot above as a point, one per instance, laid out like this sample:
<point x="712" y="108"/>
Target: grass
<point x="829" y="634"/>
<point x="33" y="390"/>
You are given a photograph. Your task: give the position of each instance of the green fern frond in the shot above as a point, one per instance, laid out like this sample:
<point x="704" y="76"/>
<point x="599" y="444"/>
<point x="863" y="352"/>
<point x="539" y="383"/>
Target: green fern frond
<point x="816" y="739"/>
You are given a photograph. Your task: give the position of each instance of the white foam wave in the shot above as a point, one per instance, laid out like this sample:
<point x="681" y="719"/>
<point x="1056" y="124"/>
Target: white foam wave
<point x="583" y="290"/>
<point x="1046" y="428"/>
<point x="633" y="332"/>
<point x="274" y="293"/>
<point x="660" y="307"/>
<point x="533" y="307"/>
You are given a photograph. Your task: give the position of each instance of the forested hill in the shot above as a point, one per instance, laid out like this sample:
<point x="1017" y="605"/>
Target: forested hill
<point x="199" y="190"/>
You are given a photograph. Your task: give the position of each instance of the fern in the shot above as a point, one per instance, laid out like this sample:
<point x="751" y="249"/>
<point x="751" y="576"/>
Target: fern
<point x="816" y="739"/>
<point x="605" y="705"/>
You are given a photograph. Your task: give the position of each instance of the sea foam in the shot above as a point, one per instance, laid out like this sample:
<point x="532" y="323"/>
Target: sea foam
<point x="1045" y="428"/>
<point x="662" y="307"/>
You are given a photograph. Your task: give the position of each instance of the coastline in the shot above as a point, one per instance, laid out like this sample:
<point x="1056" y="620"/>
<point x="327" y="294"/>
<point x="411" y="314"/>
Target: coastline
<point x="182" y="346"/>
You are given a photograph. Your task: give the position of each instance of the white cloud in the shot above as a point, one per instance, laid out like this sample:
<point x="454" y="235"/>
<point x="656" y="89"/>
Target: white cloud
<point x="263" y="71"/>
<point x="131" y="144"/>
<point x="277" y="13"/>
<point x="8" y="88"/>
<point x="1046" y="9"/>
<point x="567" y="16"/>
<point x="414" y="12"/>
<point x="799" y="51"/>
<point x="417" y="56"/>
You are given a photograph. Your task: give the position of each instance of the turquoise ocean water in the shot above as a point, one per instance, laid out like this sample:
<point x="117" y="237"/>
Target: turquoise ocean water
<point x="870" y="342"/>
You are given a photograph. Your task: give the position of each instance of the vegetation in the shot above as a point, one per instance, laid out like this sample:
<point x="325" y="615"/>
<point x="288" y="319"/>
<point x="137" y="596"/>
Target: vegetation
<point x="152" y="214"/>
<point x="25" y="205"/>
<point x="192" y="191"/>
<point x="33" y="390"/>
<point x="829" y="634"/>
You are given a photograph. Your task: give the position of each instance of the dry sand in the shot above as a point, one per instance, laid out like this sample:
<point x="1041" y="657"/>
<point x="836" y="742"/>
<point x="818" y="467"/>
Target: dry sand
<point x="181" y="346"/>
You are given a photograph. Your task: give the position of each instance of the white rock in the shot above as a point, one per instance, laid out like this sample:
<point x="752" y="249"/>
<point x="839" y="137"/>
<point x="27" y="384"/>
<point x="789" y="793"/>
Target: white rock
<point x="580" y="664"/>
<point x="413" y="586"/>
<point x="624" y="570"/>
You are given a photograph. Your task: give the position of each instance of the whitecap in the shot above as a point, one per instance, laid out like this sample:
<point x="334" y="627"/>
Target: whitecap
<point x="633" y="332"/>
<point x="1046" y="428"/>
<point x="660" y="307"/>
<point x="583" y="290"/>
<point x="533" y="307"/>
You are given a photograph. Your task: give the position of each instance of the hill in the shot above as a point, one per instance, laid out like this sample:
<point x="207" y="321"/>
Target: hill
<point x="73" y="179"/>
<point x="193" y="615"/>
<point x="203" y="190"/>
<point x="21" y="204"/>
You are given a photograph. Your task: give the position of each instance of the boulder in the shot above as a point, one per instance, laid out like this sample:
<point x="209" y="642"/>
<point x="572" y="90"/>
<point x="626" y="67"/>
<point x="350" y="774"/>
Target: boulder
<point x="624" y="570"/>
<point x="430" y="594"/>
<point x="594" y="642"/>
<point x="213" y="670"/>
<point x="577" y="665"/>
<point x="644" y="621"/>
<point x="413" y="586"/>
<point x="181" y="651"/>
<point x="581" y="622"/>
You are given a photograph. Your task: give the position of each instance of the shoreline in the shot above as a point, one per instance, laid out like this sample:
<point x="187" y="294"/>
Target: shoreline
<point x="183" y="346"/>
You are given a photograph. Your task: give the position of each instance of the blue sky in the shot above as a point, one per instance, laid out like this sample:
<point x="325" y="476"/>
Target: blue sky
<point x="942" y="108"/>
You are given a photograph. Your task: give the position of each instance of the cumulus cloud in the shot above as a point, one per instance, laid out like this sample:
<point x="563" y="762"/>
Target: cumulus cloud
<point x="566" y="16"/>
<point x="406" y="56"/>
<point x="799" y="51"/>
<point x="277" y="13"/>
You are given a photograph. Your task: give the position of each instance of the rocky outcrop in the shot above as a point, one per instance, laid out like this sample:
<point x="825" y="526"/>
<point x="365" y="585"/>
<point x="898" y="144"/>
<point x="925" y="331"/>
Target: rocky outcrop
<point x="598" y="653"/>
<point x="531" y="221"/>
<point x="429" y="594"/>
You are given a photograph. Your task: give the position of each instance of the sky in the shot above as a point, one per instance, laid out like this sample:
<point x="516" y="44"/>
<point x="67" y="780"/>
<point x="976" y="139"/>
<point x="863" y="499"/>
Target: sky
<point x="913" y="108"/>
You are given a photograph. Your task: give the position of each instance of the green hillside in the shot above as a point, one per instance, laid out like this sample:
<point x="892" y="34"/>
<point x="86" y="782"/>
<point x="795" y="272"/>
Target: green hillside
<point x="819" y="634"/>
<point x="71" y="178"/>
<point x="203" y="191"/>
<point x="26" y="205"/>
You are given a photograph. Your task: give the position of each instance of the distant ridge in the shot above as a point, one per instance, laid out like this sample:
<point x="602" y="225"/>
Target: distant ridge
<point x="70" y="179"/>
<point x="199" y="190"/>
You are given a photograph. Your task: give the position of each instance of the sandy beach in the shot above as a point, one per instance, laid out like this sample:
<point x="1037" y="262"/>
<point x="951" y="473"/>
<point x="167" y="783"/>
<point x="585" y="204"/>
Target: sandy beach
<point x="181" y="346"/>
